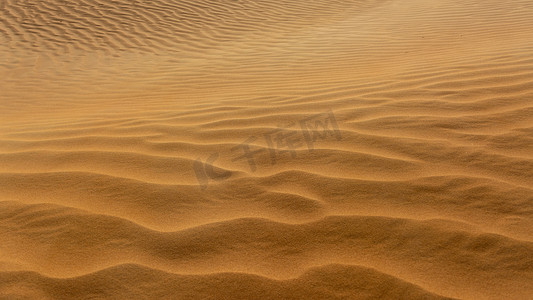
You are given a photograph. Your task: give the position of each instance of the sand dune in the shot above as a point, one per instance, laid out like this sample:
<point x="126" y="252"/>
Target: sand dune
<point x="390" y="149"/>
<point x="338" y="281"/>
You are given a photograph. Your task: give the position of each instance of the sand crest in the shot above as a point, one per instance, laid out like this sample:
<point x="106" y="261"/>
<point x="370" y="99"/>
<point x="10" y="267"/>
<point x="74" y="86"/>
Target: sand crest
<point x="369" y="149"/>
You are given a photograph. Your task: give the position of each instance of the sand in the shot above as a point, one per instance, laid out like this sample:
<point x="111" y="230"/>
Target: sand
<point x="209" y="149"/>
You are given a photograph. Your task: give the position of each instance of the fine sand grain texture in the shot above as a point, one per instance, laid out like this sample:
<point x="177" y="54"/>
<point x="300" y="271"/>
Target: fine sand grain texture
<point x="273" y="149"/>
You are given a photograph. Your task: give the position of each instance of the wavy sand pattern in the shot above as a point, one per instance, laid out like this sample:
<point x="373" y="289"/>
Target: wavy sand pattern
<point x="122" y="123"/>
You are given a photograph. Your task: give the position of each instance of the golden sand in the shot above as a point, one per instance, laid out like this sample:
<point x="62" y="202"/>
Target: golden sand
<point x="390" y="149"/>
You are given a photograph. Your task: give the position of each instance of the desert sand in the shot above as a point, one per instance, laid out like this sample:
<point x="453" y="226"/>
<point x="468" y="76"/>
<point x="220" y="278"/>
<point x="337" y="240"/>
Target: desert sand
<point x="390" y="149"/>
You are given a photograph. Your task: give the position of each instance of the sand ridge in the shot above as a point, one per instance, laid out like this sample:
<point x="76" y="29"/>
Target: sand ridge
<point x="113" y="112"/>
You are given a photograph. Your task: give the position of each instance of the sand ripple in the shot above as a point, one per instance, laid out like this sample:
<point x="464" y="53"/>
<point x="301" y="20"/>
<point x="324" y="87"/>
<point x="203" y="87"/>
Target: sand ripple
<point x="122" y="123"/>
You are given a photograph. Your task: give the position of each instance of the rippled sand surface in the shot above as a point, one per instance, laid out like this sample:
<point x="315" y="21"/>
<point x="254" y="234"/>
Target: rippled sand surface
<point x="213" y="149"/>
